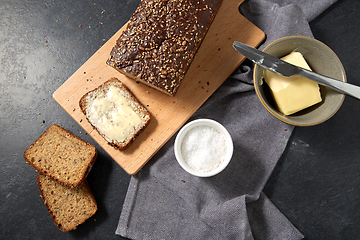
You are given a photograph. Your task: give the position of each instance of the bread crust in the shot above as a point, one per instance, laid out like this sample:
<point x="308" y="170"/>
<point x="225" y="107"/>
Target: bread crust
<point x="65" y="215"/>
<point x="99" y="92"/>
<point x="161" y="40"/>
<point x="43" y="155"/>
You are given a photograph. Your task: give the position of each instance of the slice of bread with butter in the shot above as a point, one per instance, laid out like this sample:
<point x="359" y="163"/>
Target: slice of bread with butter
<point x="115" y="113"/>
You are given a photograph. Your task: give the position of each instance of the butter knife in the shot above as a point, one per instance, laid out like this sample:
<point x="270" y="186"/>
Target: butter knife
<point x="285" y="69"/>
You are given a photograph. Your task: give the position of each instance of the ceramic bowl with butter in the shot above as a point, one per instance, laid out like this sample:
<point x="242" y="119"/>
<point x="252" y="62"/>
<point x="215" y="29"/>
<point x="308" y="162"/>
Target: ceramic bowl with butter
<point x="281" y="100"/>
<point x="203" y="147"/>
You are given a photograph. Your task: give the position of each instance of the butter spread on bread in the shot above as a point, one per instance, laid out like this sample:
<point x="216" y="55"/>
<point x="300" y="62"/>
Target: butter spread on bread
<point x="115" y="113"/>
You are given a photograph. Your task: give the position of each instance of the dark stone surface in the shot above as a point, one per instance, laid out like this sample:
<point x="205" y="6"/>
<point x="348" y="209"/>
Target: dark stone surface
<point x="315" y="184"/>
<point x="42" y="45"/>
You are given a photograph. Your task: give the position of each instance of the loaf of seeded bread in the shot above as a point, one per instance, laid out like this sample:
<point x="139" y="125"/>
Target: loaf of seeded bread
<point x="67" y="206"/>
<point x="161" y="39"/>
<point x="61" y="155"/>
<point x="115" y="113"/>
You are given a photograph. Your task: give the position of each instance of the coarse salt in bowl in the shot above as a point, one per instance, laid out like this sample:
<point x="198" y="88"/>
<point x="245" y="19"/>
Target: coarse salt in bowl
<point x="203" y="147"/>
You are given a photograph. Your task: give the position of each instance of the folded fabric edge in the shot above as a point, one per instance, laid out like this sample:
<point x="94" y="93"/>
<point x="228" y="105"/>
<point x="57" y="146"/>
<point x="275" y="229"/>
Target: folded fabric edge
<point x="126" y="212"/>
<point x="268" y="222"/>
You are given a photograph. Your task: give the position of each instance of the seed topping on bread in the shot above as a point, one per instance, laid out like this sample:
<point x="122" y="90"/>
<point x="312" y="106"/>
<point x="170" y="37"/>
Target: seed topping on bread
<point x="161" y="40"/>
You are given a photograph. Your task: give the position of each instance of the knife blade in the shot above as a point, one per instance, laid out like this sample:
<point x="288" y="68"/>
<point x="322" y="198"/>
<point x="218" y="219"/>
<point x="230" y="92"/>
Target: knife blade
<point x="285" y="69"/>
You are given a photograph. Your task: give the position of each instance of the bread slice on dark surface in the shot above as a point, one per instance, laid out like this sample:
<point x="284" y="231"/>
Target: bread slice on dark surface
<point x="161" y="40"/>
<point x="115" y="113"/>
<point x="67" y="206"/>
<point x="61" y="155"/>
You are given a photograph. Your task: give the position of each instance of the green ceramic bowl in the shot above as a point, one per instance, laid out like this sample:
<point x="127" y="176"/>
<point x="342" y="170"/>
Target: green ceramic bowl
<point x="321" y="59"/>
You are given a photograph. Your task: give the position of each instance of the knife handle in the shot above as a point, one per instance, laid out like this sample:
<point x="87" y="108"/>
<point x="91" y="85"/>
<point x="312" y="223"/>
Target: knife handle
<point x="337" y="85"/>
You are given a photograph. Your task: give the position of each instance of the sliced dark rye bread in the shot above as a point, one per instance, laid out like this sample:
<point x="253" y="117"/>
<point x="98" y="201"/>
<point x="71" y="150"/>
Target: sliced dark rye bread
<point x="115" y="113"/>
<point x="61" y="155"/>
<point x="67" y="206"/>
<point x="161" y="40"/>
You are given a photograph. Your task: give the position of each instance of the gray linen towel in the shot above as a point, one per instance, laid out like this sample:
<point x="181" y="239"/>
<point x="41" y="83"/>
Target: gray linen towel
<point x="165" y="202"/>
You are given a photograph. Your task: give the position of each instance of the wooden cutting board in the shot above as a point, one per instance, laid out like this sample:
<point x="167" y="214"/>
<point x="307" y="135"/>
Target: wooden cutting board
<point x="214" y="62"/>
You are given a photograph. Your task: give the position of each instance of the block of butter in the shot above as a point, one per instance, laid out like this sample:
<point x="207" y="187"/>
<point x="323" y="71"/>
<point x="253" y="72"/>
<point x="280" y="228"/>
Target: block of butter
<point x="293" y="94"/>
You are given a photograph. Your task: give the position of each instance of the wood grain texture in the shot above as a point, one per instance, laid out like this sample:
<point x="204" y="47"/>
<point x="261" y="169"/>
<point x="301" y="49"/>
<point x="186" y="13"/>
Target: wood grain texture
<point x="214" y="62"/>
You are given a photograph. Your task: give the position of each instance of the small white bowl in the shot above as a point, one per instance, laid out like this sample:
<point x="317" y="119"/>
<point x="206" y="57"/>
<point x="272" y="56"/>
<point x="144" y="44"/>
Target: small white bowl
<point x="207" y="149"/>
